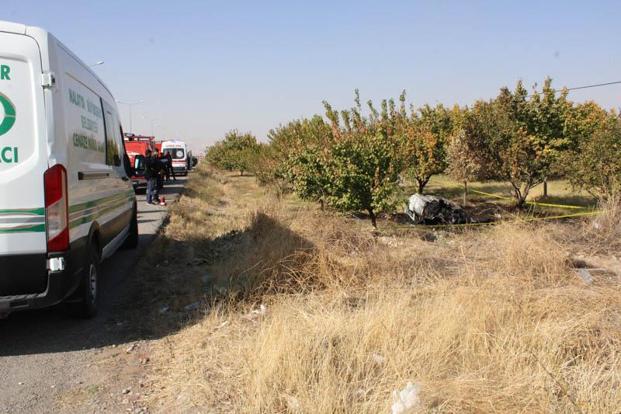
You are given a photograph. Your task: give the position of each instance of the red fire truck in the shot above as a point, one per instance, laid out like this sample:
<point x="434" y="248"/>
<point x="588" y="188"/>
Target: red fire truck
<point x="136" y="147"/>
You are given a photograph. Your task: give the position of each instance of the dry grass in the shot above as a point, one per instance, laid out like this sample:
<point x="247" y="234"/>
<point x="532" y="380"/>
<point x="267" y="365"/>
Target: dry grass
<point x="605" y="230"/>
<point x="491" y="320"/>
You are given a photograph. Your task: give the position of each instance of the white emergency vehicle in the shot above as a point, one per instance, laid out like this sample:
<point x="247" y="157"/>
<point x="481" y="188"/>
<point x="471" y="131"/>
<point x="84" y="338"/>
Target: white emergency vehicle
<point x="66" y="202"/>
<point x="179" y="153"/>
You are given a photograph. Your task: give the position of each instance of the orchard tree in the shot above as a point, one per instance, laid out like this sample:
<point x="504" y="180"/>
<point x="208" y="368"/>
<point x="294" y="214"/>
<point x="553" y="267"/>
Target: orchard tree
<point x="302" y="147"/>
<point x="352" y="162"/>
<point x="215" y="155"/>
<point x="235" y="152"/>
<point x="519" y="140"/>
<point x="365" y="158"/>
<point x="595" y="165"/>
<point x="425" y="133"/>
<point x="581" y="122"/>
<point x="537" y="135"/>
<point x="427" y="155"/>
<point x="492" y="146"/>
<point x="309" y="175"/>
<point x="462" y="165"/>
<point x="363" y="173"/>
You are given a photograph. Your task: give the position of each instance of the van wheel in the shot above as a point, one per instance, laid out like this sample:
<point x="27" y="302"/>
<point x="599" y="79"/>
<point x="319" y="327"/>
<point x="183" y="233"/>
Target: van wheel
<point x="88" y="291"/>
<point x="132" y="238"/>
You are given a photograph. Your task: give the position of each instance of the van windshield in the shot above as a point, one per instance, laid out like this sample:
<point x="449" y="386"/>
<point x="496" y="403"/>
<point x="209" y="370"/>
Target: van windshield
<point x="176" y="153"/>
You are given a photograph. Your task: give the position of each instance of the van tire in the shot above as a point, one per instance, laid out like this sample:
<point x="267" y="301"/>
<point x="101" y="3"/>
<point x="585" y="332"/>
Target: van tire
<point x="88" y="291"/>
<point x="132" y="237"/>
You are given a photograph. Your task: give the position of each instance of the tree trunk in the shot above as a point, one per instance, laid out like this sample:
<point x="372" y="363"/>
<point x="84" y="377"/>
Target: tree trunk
<point x="321" y="204"/>
<point x="465" y="193"/>
<point x="517" y="195"/>
<point x="421" y="184"/>
<point x="545" y="188"/>
<point x="520" y="195"/>
<point x="373" y="218"/>
<point x="241" y="173"/>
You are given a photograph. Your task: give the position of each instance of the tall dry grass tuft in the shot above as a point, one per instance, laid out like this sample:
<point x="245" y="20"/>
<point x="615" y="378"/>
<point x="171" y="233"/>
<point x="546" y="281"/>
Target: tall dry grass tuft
<point x="605" y="230"/>
<point x="529" y="254"/>
<point x="268" y="258"/>
<point x="275" y="253"/>
<point x="481" y="321"/>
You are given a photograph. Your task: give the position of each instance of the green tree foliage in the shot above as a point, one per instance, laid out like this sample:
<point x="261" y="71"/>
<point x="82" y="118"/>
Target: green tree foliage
<point x="236" y="152"/>
<point x="594" y="162"/>
<point x="351" y="159"/>
<point x="515" y="138"/>
<point x="427" y="133"/>
<point x="363" y="172"/>
<point x="300" y="149"/>
<point x="581" y="122"/>
<point x="352" y="162"/>
<point x="534" y="136"/>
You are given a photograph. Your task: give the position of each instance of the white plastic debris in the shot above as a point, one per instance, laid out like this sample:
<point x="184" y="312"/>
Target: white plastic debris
<point x="293" y="403"/>
<point x="254" y="314"/>
<point x="222" y="325"/>
<point x="585" y="275"/>
<point x="406" y="400"/>
<point x="378" y="359"/>
<point x="261" y="311"/>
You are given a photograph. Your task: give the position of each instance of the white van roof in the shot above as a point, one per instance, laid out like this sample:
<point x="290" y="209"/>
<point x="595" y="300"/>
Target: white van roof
<point x="11" y="27"/>
<point x="42" y="36"/>
<point x="173" y="142"/>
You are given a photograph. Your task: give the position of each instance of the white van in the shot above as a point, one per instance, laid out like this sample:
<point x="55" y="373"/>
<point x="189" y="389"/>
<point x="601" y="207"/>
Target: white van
<point x="66" y="202"/>
<point x="179" y="153"/>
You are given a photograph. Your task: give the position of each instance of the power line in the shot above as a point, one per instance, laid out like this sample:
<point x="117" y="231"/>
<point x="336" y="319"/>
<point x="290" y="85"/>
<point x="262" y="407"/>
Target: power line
<point x="596" y="85"/>
<point x="575" y="88"/>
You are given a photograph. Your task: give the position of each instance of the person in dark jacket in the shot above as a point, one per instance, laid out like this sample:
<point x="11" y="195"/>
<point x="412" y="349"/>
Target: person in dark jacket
<point x="169" y="168"/>
<point x="151" y="172"/>
<point x="161" y="169"/>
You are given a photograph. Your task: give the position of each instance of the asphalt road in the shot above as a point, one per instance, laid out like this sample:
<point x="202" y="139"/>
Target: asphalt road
<point x="47" y="358"/>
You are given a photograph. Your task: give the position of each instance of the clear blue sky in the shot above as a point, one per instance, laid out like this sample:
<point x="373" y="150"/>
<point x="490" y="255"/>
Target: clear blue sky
<point x="204" y="67"/>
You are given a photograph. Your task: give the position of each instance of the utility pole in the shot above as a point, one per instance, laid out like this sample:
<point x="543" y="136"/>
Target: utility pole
<point x="130" y="105"/>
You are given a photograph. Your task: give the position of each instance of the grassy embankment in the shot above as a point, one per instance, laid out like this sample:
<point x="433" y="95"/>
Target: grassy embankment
<point x="305" y="311"/>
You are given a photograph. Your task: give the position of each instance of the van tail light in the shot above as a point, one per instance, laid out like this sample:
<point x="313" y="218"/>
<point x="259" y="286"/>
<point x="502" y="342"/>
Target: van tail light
<point x="56" y="209"/>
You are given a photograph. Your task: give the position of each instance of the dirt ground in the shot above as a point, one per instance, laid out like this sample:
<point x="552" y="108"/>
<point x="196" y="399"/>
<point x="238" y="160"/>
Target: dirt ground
<point x="50" y="362"/>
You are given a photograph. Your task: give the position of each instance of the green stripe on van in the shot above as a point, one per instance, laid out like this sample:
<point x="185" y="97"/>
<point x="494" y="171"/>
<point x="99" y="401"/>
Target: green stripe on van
<point x="102" y="210"/>
<point x="34" y="220"/>
<point x="94" y="203"/>
<point x="99" y="206"/>
<point x="39" y="228"/>
<point x="23" y="211"/>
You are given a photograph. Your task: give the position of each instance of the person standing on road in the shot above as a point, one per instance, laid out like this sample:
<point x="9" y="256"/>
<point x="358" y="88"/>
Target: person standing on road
<point x="161" y="169"/>
<point x="169" y="167"/>
<point x="151" y="173"/>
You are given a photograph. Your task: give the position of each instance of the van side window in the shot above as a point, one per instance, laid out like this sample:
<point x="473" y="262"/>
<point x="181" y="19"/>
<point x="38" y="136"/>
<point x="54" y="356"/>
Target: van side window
<point x="114" y="141"/>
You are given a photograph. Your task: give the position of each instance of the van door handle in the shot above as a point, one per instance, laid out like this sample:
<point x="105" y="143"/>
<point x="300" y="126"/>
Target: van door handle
<point x="92" y="175"/>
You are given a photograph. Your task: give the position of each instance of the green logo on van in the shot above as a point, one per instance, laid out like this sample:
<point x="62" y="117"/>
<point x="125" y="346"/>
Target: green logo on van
<point x="9" y="114"/>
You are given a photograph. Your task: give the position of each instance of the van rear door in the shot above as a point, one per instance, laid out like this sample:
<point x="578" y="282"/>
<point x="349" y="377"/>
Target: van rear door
<point x="23" y="149"/>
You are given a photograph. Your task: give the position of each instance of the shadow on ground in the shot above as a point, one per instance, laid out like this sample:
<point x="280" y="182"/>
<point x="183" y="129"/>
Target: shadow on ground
<point x="52" y="330"/>
<point x="168" y="287"/>
<point x="180" y="280"/>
